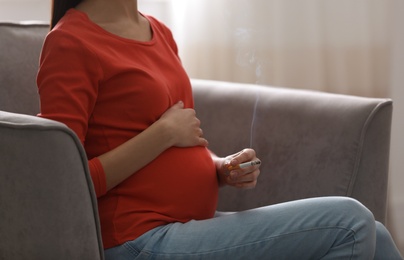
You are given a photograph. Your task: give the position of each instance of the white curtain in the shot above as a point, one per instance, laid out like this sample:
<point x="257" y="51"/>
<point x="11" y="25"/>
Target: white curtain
<point x="340" y="46"/>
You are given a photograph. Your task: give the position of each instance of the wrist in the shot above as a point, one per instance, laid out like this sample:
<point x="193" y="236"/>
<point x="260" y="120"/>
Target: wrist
<point x="164" y="131"/>
<point x="220" y="171"/>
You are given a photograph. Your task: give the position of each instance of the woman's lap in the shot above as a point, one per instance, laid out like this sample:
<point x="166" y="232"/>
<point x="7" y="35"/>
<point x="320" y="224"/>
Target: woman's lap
<point x="327" y="228"/>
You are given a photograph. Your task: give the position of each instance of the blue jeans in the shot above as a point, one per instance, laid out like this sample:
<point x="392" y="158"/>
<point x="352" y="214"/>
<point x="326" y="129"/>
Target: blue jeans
<point x="319" y="228"/>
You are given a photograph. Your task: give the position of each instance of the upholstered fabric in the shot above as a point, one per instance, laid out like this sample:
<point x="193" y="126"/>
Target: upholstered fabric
<point x="310" y="143"/>
<point x="47" y="205"/>
<point x="20" y="46"/>
<point x="48" y="210"/>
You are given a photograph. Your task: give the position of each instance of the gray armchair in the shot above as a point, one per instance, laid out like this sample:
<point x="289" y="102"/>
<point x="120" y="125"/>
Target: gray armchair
<point x="48" y="209"/>
<point x="310" y="143"/>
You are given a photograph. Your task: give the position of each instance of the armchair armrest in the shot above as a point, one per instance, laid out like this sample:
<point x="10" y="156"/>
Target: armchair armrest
<point x="47" y="201"/>
<point x="311" y="143"/>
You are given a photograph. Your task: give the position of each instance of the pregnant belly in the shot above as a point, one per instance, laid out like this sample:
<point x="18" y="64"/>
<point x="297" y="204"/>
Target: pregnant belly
<point x="180" y="184"/>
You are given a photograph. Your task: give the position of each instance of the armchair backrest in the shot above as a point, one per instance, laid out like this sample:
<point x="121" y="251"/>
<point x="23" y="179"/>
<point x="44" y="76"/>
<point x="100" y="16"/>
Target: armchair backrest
<point x="311" y="143"/>
<point x="20" y="46"/>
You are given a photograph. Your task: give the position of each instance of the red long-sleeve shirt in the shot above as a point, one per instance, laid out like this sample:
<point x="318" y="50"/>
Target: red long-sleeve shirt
<point x="108" y="89"/>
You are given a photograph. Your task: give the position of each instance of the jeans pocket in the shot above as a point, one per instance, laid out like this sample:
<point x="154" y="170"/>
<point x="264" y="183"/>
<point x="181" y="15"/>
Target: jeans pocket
<point x="125" y="251"/>
<point x="135" y="252"/>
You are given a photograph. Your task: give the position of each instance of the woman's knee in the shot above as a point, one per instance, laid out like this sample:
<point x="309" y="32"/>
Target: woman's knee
<point x="353" y="207"/>
<point x="354" y="215"/>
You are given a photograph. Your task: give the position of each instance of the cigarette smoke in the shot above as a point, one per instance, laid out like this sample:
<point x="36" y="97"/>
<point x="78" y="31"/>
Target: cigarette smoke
<point x="246" y="34"/>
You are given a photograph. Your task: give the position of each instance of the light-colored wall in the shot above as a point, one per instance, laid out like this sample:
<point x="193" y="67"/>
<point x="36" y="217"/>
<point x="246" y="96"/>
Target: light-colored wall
<point x="39" y="10"/>
<point x="396" y="197"/>
<point x="17" y="10"/>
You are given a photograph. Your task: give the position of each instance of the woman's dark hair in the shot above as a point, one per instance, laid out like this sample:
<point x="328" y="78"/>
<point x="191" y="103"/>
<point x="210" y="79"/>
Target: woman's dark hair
<point x="59" y="8"/>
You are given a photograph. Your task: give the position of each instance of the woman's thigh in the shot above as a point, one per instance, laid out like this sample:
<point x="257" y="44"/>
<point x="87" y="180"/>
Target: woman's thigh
<point x="330" y="227"/>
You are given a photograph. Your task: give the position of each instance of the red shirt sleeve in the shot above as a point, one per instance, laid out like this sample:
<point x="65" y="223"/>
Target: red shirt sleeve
<point x="68" y="86"/>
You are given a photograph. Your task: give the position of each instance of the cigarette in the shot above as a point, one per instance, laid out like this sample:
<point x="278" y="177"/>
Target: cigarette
<point x="244" y="165"/>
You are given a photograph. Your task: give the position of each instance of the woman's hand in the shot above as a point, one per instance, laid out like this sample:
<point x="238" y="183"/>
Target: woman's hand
<point x="240" y="178"/>
<point x="183" y="126"/>
<point x="176" y="127"/>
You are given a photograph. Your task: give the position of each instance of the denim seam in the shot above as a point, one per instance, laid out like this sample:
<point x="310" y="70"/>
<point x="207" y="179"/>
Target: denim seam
<point x="133" y="250"/>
